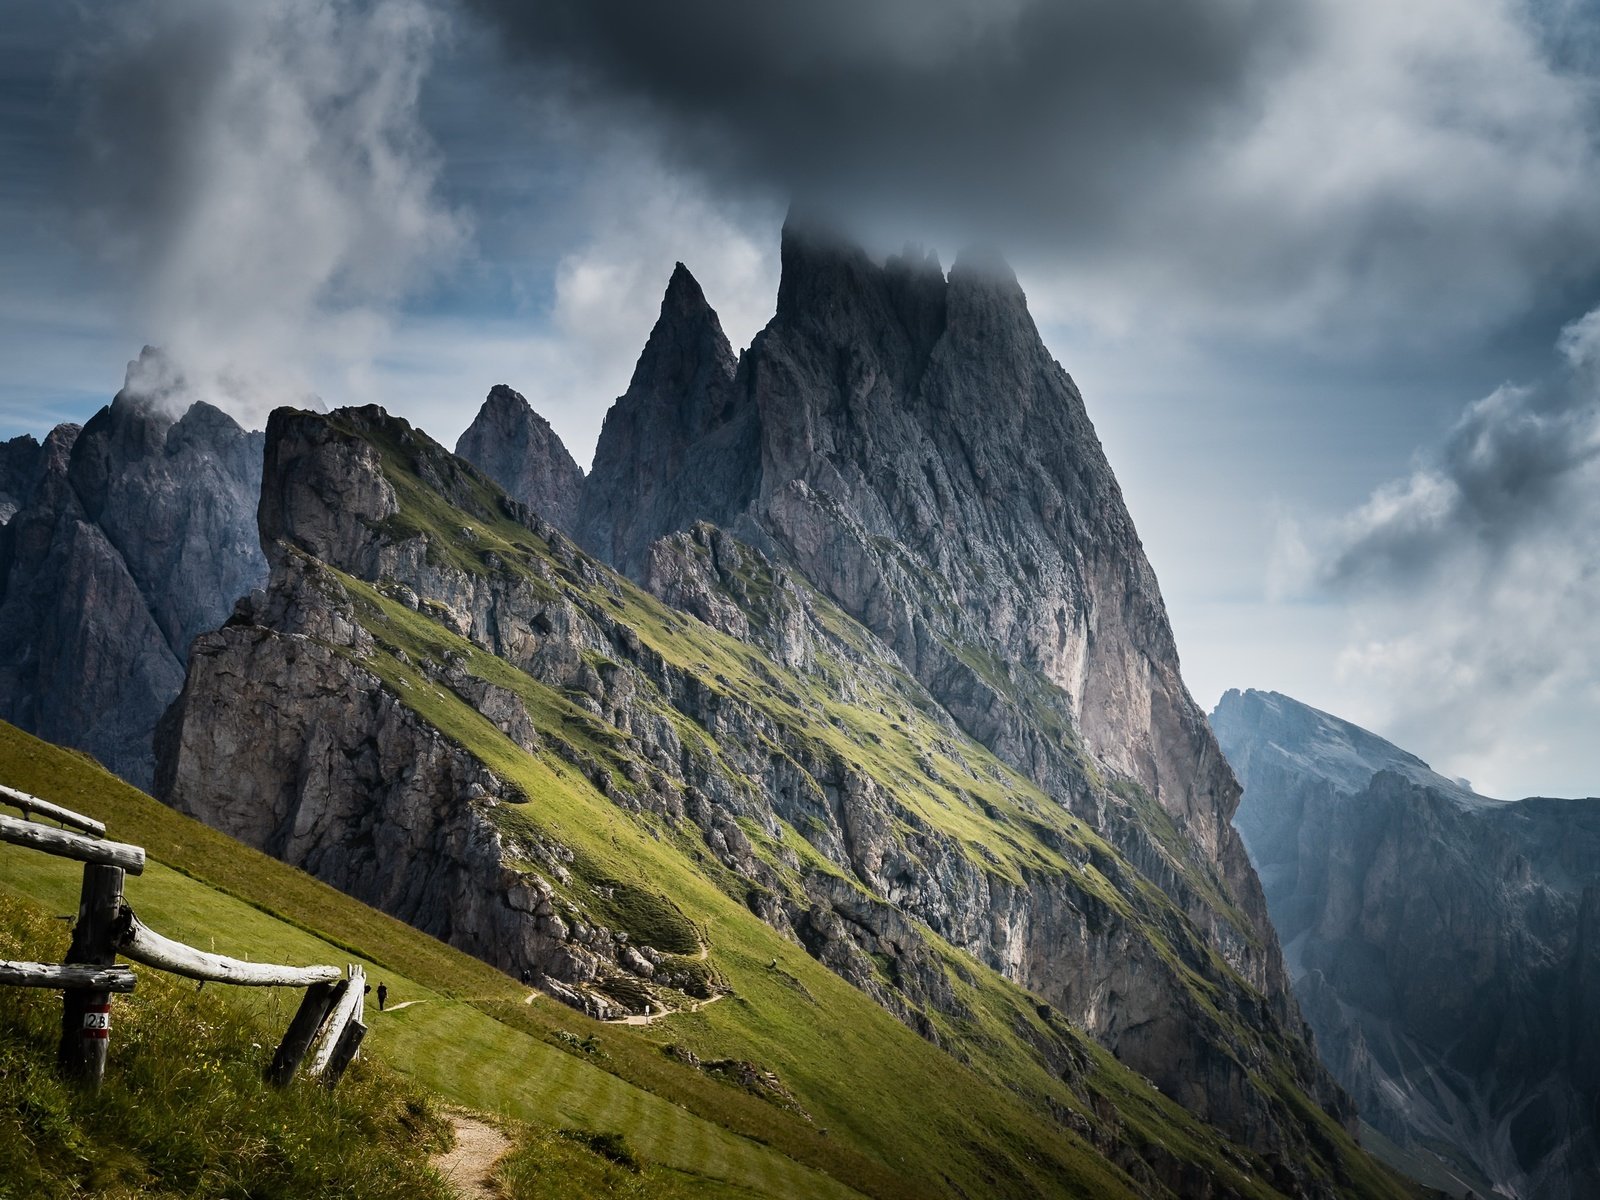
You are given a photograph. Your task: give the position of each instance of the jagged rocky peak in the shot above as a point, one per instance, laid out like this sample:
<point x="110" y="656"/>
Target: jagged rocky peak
<point x="21" y="467"/>
<point x="518" y="449"/>
<point x="905" y="441"/>
<point x="1444" y="946"/>
<point x="137" y="534"/>
<point x="676" y="447"/>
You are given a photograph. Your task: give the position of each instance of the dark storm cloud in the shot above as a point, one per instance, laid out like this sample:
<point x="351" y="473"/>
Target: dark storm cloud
<point x="1288" y="165"/>
<point x="1022" y="110"/>
<point x="1520" y="466"/>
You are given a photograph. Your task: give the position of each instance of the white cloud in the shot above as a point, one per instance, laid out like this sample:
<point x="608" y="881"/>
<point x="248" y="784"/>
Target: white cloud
<point x="258" y="174"/>
<point x="1472" y="585"/>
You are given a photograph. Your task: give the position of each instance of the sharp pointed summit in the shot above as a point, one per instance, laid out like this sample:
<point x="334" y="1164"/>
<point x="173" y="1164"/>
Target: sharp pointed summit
<point x="675" y="444"/>
<point x="516" y="448"/>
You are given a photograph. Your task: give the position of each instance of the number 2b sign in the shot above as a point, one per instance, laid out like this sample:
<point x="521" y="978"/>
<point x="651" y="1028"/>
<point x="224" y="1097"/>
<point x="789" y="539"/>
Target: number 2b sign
<point x="97" y="1021"/>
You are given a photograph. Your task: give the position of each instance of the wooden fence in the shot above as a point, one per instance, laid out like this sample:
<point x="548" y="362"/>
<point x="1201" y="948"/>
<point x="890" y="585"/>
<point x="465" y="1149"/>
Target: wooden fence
<point x="327" y="1026"/>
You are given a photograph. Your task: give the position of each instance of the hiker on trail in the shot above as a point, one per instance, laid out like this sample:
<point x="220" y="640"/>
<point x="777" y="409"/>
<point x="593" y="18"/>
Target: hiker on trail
<point x="383" y="994"/>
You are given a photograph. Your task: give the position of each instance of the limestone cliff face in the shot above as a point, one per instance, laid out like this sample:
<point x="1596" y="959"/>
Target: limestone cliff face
<point x="676" y="447"/>
<point x="765" y="712"/>
<point x="1443" y="945"/>
<point x="905" y="442"/>
<point x="516" y="448"/>
<point x="133" y="535"/>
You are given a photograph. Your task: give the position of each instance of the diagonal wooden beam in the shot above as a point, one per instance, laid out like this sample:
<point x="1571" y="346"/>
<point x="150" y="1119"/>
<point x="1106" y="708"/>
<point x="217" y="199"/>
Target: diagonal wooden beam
<point x="43" y="808"/>
<point x="65" y="976"/>
<point x="146" y="946"/>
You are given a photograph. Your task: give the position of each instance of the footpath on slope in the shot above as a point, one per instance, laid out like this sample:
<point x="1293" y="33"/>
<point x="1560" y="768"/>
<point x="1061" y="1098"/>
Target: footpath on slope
<point x="466" y="1165"/>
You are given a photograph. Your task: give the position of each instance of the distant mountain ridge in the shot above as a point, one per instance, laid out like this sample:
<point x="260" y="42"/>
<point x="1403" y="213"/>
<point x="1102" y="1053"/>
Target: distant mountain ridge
<point x="1445" y="947"/>
<point x="128" y="538"/>
<point x="1327" y="747"/>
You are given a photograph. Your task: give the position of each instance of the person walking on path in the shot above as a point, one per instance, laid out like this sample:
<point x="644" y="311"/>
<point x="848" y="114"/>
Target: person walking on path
<point x="383" y="994"/>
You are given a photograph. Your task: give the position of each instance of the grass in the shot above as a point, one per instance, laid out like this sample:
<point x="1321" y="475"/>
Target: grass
<point x="185" y="1111"/>
<point x="558" y="1164"/>
<point x="471" y="1039"/>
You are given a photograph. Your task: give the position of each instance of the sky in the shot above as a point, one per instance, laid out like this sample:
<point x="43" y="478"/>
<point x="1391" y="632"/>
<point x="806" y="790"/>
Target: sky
<point x="1327" y="271"/>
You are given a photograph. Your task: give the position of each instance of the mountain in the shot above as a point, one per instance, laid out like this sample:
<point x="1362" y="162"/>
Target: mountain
<point x="130" y="536"/>
<point x="1445" y="947"/>
<point x="674" y="449"/>
<point x="892" y="697"/>
<point x="22" y="464"/>
<point x="481" y="730"/>
<point x="906" y="444"/>
<point x="515" y="447"/>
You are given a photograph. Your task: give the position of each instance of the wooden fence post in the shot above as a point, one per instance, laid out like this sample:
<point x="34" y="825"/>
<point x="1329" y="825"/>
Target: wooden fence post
<point x="343" y="1051"/>
<point x="86" y="1012"/>
<point x="307" y="1020"/>
<point x="346" y="1008"/>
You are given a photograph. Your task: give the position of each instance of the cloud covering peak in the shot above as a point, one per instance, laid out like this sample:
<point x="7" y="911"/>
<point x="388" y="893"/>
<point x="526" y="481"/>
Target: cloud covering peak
<point x="259" y="175"/>
<point x="1315" y="165"/>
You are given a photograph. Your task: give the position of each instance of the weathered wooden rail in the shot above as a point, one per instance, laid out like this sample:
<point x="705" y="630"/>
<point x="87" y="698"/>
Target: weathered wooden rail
<point x="329" y="1017"/>
<point x="134" y="940"/>
<point x="63" y="816"/>
<point x="59" y="976"/>
<point x="64" y="844"/>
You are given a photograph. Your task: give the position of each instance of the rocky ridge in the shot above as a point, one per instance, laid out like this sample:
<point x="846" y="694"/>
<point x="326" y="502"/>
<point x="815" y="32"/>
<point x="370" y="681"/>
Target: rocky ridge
<point x="903" y="441"/>
<point x="515" y="447"/>
<point x="906" y="443"/>
<point x="779" y="744"/>
<point x="131" y="536"/>
<point x="1444" y="946"/>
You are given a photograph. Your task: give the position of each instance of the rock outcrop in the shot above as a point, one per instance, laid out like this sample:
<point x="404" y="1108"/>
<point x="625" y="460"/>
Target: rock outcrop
<point x="21" y="468"/>
<point x="515" y="447"/>
<point x="905" y="442"/>
<point x="1443" y="945"/>
<point x="676" y="447"/>
<point x="132" y="536"/>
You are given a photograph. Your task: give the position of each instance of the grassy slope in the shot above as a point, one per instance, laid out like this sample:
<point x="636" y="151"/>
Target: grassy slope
<point x="473" y="1040"/>
<point x="185" y="1111"/>
<point x="885" y="1087"/>
<point x="870" y="720"/>
<point x="476" y="1042"/>
<point x="852" y="1066"/>
<point x="874" y="1085"/>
